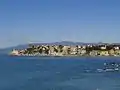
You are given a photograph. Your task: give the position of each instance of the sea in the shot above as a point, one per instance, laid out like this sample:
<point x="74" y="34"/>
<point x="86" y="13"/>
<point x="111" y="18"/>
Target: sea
<point x="57" y="73"/>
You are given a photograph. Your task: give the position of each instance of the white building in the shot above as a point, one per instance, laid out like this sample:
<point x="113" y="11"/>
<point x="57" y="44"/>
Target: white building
<point x="15" y="52"/>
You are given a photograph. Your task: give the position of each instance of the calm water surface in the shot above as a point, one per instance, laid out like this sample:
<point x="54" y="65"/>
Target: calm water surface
<point x="49" y="73"/>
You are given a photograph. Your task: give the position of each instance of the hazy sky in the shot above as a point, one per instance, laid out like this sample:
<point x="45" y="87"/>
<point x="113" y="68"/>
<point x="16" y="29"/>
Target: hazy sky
<point x="23" y="21"/>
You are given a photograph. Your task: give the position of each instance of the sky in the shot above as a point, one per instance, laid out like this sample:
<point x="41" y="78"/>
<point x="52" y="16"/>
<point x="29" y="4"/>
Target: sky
<point x="25" y="21"/>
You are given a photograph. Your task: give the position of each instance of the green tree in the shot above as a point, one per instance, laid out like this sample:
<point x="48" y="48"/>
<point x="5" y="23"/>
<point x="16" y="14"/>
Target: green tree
<point x="61" y="48"/>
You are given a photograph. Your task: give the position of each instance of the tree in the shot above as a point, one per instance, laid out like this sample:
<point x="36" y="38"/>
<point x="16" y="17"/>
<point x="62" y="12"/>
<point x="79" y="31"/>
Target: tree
<point x="68" y="51"/>
<point x="30" y="50"/>
<point x="55" y="50"/>
<point x="40" y="51"/>
<point x="46" y="51"/>
<point x="77" y="49"/>
<point x="61" y="48"/>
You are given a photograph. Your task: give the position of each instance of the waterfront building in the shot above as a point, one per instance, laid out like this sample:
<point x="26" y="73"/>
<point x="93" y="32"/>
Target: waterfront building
<point x="66" y="50"/>
<point x="15" y="52"/>
<point x="51" y="51"/>
<point x="73" y="50"/>
<point x="116" y="48"/>
<point x="83" y="52"/>
<point x="93" y="53"/>
<point x="103" y="47"/>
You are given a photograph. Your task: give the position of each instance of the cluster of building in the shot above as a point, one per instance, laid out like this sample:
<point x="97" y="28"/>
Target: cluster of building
<point x="61" y="50"/>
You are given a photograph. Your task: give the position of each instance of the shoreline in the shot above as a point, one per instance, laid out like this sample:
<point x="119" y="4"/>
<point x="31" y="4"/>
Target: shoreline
<point x="86" y="56"/>
<point x="68" y="51"/>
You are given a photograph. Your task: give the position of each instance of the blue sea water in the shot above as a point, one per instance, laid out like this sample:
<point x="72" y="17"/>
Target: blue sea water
<point x="57" y="73"/>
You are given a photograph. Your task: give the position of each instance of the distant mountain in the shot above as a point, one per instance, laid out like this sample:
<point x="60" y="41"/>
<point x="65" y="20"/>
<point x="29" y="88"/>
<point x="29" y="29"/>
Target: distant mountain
<point x="65" y="43"/>
<point x="7" y="50"/>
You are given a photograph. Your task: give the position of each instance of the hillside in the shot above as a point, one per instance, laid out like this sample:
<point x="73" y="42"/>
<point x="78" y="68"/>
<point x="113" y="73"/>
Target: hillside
<point x="7" y="50"/>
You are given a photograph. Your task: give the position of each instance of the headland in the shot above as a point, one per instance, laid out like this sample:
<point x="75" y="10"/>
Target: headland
<point x="69" y="50"/>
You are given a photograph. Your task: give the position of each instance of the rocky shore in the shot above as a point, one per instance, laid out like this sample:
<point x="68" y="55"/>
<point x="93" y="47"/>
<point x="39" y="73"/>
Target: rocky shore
<point x="62" y="50"/>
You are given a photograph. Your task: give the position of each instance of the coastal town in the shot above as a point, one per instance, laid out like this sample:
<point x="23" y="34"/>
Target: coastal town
<point x="67" y="50"/>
